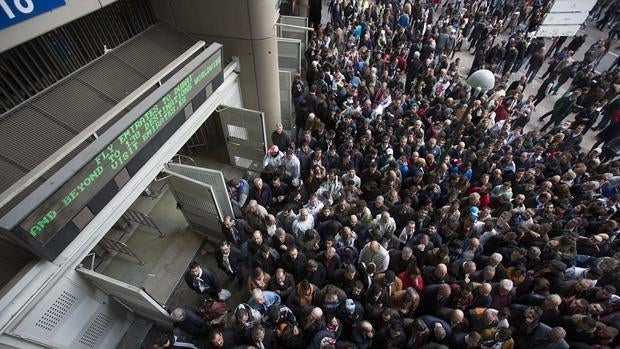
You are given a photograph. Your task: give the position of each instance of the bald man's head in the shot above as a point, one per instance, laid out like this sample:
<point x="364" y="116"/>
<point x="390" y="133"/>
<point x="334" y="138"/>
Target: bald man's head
<point x="366" y="326"/>
<point x="440" y="270"/>
<point x="316" y="313"/>
<point x="485" y="289"/>
<point x="457" y="316"/>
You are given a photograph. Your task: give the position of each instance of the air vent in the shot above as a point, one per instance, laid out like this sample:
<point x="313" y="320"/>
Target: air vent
<point x="54" y="314"/>
<point x="238" y="132"/>
<point x="242" y="162"/>
<point x="96" y="330"/>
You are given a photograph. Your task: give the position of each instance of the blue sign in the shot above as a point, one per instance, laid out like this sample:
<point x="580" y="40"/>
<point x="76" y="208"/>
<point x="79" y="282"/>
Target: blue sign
<point x="15" y="11"/>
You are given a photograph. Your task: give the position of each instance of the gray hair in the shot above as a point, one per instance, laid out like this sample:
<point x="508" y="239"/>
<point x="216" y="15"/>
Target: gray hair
<point x="178" y="314"/>
<point x="506" y="284"/>
<point x="496" y="257"/>
<point x="256" y="293"/>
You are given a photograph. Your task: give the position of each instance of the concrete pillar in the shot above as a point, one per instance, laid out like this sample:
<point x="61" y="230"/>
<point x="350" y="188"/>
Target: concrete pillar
<point x="265" y="60"/>
<point x="246" y="29"/>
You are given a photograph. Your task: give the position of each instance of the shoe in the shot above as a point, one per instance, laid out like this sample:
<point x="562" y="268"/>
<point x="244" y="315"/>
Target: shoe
<point x="541" y="119"/>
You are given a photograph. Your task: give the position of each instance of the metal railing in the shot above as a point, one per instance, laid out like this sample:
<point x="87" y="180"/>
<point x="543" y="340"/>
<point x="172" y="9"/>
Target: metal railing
<point x="120" y="247"/>
<point x="143" y="219"/>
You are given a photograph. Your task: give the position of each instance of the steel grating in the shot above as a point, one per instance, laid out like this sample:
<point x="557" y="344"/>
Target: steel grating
<point x="136" y="55"/>
<point x="113" y="77"/>
<point x="74" y="104"/>
<point x="9" y="174"/>
<point x="21" y="196"/>
<point x="169" y="38"/>
<point x="28" y="137"/>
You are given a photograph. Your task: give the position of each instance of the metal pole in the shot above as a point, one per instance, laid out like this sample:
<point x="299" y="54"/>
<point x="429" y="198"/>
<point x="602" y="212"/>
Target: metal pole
<point x="295" y="26"/>
<point x="456" y="133"/>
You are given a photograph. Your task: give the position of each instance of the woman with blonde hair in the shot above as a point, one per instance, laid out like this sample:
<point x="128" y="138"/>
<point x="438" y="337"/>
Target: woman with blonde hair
<point x="556" y="143"/>
<point x="485" y="123"/>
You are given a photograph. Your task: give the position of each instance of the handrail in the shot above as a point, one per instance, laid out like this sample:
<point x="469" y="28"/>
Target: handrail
<point x="295" y="26"/>
<point x="120" y="247"/>
<point x="36" y="173"/>
<point x="143" y="219"/>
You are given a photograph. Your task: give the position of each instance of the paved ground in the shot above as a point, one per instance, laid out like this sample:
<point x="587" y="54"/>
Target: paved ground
<point x="547" y="104"/>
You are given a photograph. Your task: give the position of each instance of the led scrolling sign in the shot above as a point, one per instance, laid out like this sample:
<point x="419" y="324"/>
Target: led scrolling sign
<point x="44" y="222"/>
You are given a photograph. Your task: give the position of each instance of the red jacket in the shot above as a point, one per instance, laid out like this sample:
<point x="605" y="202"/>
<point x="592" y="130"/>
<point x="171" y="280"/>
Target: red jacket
<point x="501" y="112"/>
<point x="409" y="282"/>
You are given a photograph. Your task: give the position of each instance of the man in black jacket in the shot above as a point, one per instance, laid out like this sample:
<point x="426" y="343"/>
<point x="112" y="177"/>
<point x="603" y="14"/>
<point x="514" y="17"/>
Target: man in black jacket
<point x="202" y="280"/>
<point x="536" y="61"/>
<point x="362" y="335"/>
<point x="391" y="337"/>
<point x="561" y="109"/>
<point x="262" y="337"/>
<point x="190" y="321"/>
<point x="230" y="260"/>
<point x="265" y="259"/>
<point x="280" y="137"/>
<point x="545" y="89"/>
<point x="414" y="66"/>
<point x="236" y="231"/>
<point x="281" y="283"/>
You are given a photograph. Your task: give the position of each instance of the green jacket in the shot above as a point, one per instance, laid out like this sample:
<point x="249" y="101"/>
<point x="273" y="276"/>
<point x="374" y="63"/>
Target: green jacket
<point x="564" y="105"/>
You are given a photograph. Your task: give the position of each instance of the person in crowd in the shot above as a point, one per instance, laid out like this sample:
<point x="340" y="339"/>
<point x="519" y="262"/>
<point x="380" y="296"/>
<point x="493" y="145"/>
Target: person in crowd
<point x="202" y="280"/>
<point x="236" y="231"/>
<point x="397" y="216"/>
<point x="230" y="260"/>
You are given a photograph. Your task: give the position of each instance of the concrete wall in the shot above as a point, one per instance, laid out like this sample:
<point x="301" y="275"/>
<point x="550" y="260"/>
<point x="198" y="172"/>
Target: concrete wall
<point x="247" y="30"/>
<point x="33" y="27"/>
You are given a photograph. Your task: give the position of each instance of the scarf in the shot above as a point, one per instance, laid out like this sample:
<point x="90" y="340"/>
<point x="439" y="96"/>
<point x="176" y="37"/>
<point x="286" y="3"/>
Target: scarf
<point x="331" y="328"/>
<point x="304" y="298"/>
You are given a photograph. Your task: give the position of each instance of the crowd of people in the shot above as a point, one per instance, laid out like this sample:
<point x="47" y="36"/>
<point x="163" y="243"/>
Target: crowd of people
<point x="395" y="216"/>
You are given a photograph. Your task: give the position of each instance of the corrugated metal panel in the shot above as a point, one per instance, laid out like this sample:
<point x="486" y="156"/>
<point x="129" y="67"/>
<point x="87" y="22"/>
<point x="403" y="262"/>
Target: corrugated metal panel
<point x="112" y="77"/>
<point x="29" y="68"/>
<point x="74" y="104"/>
<point x="169" y="38"/>
<point x="21" y="196"/>
<point x="27" y="137"/>
<point x="145" y="55"/>
<point x="9" y="174"/>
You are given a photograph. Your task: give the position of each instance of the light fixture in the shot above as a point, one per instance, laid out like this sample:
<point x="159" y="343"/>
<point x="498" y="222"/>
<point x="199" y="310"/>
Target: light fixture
<point x="482" y="78"/>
